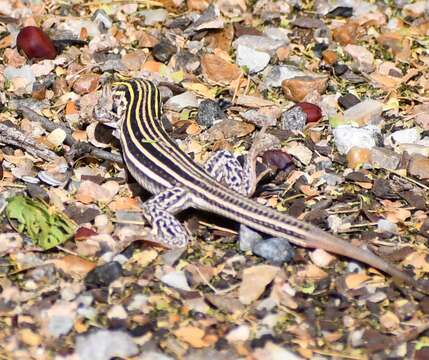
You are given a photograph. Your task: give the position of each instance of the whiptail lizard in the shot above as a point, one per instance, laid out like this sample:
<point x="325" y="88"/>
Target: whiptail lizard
<point x="222" y="187"/>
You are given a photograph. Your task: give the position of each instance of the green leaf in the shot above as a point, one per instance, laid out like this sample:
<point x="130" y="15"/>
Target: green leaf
<point x="308" y="288"/>
<point x="45" y="226"/>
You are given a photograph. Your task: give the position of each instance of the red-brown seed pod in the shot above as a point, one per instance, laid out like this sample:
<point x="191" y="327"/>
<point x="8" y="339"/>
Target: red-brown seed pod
<point x="35" y="43"/>
<point x="313" y="112"/>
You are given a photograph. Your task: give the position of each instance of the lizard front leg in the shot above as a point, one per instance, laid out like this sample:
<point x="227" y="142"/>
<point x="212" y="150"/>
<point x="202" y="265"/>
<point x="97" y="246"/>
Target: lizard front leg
<point x="160" y="210"/>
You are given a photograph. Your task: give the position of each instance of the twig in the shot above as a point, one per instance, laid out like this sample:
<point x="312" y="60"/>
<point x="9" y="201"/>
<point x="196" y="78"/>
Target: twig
<point x="78" y="148"/>
<point x="12" y="136"/>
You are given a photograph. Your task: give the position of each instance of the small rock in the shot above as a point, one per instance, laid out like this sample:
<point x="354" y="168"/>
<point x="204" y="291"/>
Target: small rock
<point x="266" y="116"/>
<point x="364" y="113"/>
<point x="209" y="19"/>
<point x="347" y="136"/>
<point x="308" y="23"/>
<point x="163" y="51"/>
<point x="100" y="17"/>
<point x="86" y="83"/>
<point x="419" y="166"/>
<point x="277" y="159"/>
<point x="329" y="56"/>
<point x="21" y="78"/>
<point x="182" y="101"/>
<point x="340" y="69"/>
<point x="301" y="152"/>
<point x="406" y="136"/>
<point x="386" y="226"/>
<point x="146" y="40"/>
<point x="274" y="75"/>
<point x="103" y="275"/>
<point x="362" y="56"/>
<point x="347" y="101"/>
<point x="105" y="344"/>
<point x="298" y="87"/>
<point x="416" y="9"/>
<point x="134" y="60"/>
<point x="277" y="33"/>
<point x="255" y="61"/>
<point x="357" y="157"/>
<point x="208" y="112"/>
<point x="176" y="279"/>
<point x="341" y="11"/>
<point x="384" y="158"/>
<point x="294" y="119"/>
<point x="313" y="112"/>
<point x="216" y="69"/>
<point x="255" y="279"/>
<point x="248" y="238"/>
<point x="57" y="137"/>
<point x="275" y="250"/>
<point x="346" y="34"/>
<point x="321" y="258"/>
<point x="151" y="17"/>
<point x="239" y="333"/>
<point x="259" y="43"/>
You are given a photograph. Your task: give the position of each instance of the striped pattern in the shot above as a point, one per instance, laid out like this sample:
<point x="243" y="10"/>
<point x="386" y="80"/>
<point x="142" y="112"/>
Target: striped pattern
<point x="157" y="163"/>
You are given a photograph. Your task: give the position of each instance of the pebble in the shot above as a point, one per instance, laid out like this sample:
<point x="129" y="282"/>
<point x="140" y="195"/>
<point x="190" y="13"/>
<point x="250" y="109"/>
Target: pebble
<point x="384" y="158"/>
<point x="182" y="101"/>
<point x="104" y="344"/>
<point x="216" y="69"/>
<point x="329" y="56"/>
<point x="364" y="59"/>
<point x="347" y="101"/>
<point x="277" y="159"/>
<point x="266" y="116"/>
<point x="103" y="275"/>
<point x="419" y="166"/>
<point x="308" y="23"/>
<point x="151" y="17"/>
<point x="239" y="333"/>
<point x="364" y="113"/>
<point x="301" y="152"/>
<point x="275" y="250"/>
<point x="209" y="19"/>
<point x="176" y="279"/>
<point x="248" y="238"/>
<point x="345" y="34"/>
<point x="276" y="74"/>
<point x="347" y="136"/>
<point x="405" y="136"/>
<point x="259" y="43"/>
<point x="254" y="60"/>
<point x="163" y="51"/>
<point x="357" y="156"/>
<point x="297" y="88"/>
<point x="208" y="112"/>
<point x="294" y="119"/>
<point x="100" y="17"/>
<point x="24" y="72"/>
<point x="340" y="69"/>
<point x="386" y="226"/>
<point x="86" y="83"/>
<point x="60" y="325"/>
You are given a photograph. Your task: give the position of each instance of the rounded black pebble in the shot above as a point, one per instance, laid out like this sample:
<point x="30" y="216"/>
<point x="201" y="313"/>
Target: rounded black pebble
<point x="103" y="275"/>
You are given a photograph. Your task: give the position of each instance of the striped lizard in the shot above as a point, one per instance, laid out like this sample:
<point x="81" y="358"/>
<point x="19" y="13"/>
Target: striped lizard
<point x="222" y="187"/>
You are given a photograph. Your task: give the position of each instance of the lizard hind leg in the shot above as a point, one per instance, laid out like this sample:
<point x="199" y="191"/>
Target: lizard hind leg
<point x="160" y="211"/>
<point x="227" y="170"/>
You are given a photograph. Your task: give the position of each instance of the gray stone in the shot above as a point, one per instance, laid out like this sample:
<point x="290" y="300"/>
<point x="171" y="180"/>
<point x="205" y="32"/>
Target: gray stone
<point x="60" y="325"/>
<point x="384" y="158"/>
<point x="208" y="112"/>
<point x="275" y="250"/>
<point x="254" y="60"/>
<point x="258" y="118"/>
<point x="105" y="344"/>
<point x="248" y="238"/>
<point x="406" y="136"/>
<point x="274" y="75"/>
<point x="259" y="43"/>
<point x="294" y="119"/>
<point x="151" y="17"/>
<point x="182" y="101"/>
<point x="365" y="112"/>
<point x="209" y="19"/>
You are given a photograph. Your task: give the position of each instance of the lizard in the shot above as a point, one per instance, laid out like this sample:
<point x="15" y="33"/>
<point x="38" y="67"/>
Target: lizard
<point x="223" y="186"/>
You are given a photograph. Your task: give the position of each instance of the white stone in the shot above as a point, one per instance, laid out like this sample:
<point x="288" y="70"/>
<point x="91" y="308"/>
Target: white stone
<point x="406" y="136"/>
<point x="182" y="101"/>
<point x="176" y="279"/>
<point x="240" y="333"/>
<point x="254" y="60"/>
<point x="347" y="136"/>
<point x="365" y="112"/>
<point x="151" y="17"/>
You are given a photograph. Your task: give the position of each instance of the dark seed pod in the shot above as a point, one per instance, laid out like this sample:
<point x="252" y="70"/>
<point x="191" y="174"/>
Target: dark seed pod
<point x="35" y="43"/>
